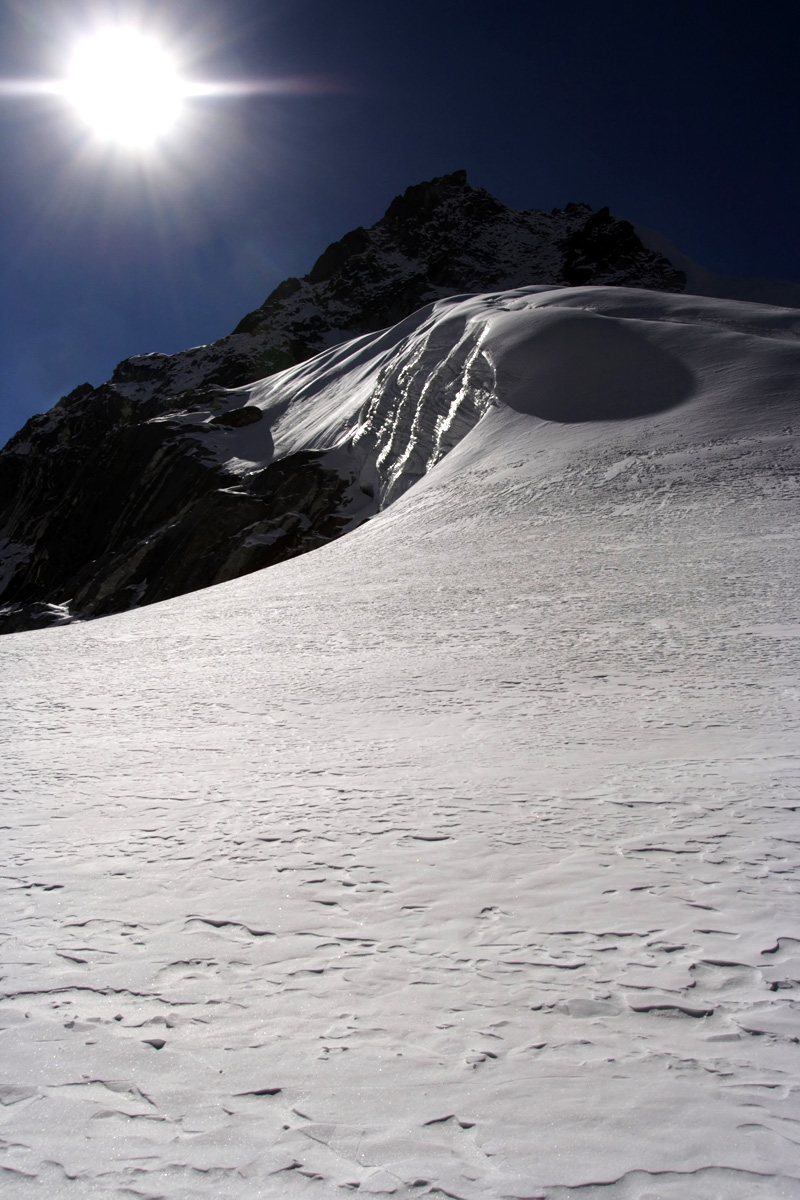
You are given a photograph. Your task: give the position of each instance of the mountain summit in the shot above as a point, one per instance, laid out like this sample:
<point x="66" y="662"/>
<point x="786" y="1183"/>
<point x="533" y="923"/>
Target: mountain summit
<point x="165" y="479"/>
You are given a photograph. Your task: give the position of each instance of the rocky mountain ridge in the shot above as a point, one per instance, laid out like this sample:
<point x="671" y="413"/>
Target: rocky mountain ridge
<point x="130" y="492"/>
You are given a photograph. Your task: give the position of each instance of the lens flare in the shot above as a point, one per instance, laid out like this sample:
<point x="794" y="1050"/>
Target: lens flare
<point x="125" y="86"/>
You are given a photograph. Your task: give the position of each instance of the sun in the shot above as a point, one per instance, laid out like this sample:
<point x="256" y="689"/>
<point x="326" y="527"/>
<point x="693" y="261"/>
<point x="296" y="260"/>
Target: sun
<point x="125" y="85"/>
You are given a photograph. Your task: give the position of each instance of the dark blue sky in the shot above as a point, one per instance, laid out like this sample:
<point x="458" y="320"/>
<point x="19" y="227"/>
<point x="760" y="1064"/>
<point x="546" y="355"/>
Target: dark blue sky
<point x="683" y="116"/>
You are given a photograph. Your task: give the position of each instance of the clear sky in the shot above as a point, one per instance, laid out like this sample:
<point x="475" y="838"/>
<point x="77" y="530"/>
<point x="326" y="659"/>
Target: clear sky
<point x="683" y="116"/>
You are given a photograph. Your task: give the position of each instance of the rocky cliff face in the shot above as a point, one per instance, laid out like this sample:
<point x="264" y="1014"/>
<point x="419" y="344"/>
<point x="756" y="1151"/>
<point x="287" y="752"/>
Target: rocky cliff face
<point x="129" y="493"/>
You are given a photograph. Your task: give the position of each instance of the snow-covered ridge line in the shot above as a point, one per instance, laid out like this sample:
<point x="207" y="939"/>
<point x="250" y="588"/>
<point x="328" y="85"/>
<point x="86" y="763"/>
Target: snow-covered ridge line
<point x="233" y="480"/>
<point x="394" y="404"/>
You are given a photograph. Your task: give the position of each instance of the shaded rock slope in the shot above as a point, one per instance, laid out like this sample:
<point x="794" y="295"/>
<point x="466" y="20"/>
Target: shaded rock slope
<point x="134" y="491"/>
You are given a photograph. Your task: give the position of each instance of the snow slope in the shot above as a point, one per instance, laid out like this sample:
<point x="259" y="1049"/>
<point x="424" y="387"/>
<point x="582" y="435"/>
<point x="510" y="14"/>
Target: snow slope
<point x="459" y="857"/>
<point x="392" y="404"/>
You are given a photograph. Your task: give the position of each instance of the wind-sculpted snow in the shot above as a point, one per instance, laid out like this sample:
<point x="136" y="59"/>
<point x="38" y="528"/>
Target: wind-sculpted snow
<point x="393" y="405"/>
<point x="422" y="406"/>
<point x="458" y="857"/>
<point x="572" y="365"/>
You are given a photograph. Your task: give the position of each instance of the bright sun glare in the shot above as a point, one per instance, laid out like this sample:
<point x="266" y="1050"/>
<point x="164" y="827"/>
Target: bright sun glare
<point x="126" y="87"/>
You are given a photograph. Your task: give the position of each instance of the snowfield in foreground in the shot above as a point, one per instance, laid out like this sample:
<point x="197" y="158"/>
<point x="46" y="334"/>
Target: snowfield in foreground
<point x="461" y="856"/>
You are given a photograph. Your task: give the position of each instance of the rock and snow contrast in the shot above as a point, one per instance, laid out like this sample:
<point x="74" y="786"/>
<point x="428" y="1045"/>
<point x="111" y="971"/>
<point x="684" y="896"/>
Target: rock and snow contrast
<point x="134" y="491"/>
<point x="459" y="857"/>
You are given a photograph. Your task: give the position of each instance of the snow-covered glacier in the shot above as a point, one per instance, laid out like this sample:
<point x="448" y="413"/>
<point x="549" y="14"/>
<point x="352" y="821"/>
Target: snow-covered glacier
<point x="391" y="405"/>
<point x="458" y="857"/>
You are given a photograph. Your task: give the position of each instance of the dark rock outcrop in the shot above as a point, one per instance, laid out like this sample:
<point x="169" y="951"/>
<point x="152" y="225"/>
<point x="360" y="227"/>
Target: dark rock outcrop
<point x="605" y="245"/>
<point x="112" y="500"/>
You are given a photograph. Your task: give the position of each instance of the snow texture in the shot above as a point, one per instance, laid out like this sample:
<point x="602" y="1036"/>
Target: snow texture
<point x="459" y="857"/>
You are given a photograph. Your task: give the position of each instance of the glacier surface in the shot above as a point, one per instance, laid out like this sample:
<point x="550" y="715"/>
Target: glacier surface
<point x="459" y="857"/>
